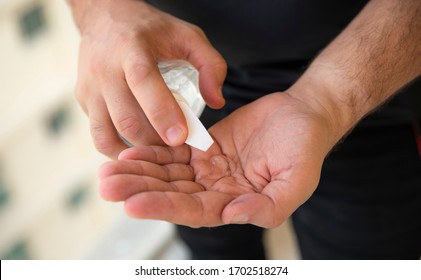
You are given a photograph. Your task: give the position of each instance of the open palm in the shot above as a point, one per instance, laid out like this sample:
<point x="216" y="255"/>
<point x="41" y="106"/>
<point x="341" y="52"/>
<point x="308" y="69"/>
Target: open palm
<point x="265" y="162"/>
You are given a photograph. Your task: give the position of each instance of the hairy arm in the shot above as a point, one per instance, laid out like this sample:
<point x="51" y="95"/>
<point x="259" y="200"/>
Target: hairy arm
<point x="376" y="55"/>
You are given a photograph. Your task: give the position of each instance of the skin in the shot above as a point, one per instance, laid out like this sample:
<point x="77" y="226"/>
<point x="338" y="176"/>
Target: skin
<point x="240" y="179"/>
<point x="119" y="85"/>
<point x="267" y="156"/>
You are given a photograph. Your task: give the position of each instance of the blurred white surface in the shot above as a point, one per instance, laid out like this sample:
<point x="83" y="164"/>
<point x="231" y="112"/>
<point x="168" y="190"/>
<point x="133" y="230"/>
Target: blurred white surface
<point x="49" y="204"/>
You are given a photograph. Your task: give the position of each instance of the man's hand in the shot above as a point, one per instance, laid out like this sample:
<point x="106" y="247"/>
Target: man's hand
<point x="119" y="85"/>
<point x="267" y="157"/>
<point x="265" y="162"/>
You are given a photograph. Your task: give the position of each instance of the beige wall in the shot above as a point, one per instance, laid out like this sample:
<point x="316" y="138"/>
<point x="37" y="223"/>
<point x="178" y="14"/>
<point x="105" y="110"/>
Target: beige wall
<point x="52" y="209"/>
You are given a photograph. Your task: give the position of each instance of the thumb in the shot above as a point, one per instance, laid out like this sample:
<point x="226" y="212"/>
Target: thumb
<point x="253" y="208"/>
<point x="212" y="71"/>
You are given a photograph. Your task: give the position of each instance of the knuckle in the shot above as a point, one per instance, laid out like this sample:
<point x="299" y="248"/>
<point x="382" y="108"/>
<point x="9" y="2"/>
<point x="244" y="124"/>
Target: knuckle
<point x="129" y="126"/>
<point x="138" y="71"/>
<point x="159" y="112"/>
<point x="97" y="66"/>
<point x="102" y="143"/>
<point x="197" y="30"/>
<point x="220" y="64"/>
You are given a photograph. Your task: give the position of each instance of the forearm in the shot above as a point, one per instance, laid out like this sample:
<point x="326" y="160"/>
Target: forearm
<point x="376" y="55"/>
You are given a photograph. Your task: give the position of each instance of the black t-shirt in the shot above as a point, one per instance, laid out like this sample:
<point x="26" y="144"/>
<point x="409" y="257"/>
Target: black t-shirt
<point x="269" y="43"/>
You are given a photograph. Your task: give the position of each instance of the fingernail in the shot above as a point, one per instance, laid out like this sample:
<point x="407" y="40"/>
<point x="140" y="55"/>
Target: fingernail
<point x="240" y="219"/>
<point x="174" y="134"/>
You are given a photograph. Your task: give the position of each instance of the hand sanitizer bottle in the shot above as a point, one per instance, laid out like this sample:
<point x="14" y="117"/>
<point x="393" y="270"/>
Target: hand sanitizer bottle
<point x="183" y="81"/>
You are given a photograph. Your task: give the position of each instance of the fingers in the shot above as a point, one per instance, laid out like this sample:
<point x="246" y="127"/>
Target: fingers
<point x="122" y="179"/>
<point x="167" y="173"/>
<point x="158" y="154"/>
<point x="194" y="210"/>
<point x="212" y="69"/>
<point x="103" y="133"/>
<point x="127" y="116"/>
<point x="267" y="209"/>
<point x="149" y="89"/>
<point x="119" y="56"/>
<point x="253" y="208"/>
<point x="211" y="78"/>
<point x="122" y="187"/>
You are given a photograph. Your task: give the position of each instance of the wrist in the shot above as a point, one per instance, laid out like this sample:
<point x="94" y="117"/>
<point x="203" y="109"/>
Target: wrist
<point x="333" y="97"/>
<point x="374" y="56"/>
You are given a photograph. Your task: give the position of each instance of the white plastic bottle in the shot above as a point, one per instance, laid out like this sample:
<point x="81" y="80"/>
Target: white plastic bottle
<point x="183" y="81"/>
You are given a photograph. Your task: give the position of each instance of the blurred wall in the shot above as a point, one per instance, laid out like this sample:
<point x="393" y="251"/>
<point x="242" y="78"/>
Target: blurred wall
<point x="49" y="205"/>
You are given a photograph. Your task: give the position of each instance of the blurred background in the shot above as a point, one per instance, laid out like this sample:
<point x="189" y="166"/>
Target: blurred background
<point x="49" y="204"/>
